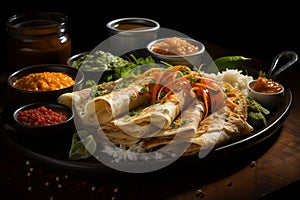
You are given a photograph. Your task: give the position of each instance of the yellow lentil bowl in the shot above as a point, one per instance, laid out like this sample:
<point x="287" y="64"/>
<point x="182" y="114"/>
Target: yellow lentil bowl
<point x="44" y="81"/>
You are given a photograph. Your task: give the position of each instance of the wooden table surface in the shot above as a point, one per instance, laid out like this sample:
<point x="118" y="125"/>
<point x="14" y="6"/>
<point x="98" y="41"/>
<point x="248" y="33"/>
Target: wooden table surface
<point x="257" y="172"/>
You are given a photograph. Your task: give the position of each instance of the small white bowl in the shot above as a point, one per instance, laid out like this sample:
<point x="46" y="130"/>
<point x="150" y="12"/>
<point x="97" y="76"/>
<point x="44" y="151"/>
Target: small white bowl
<point x="268" y="100"/>
<point x="192" y="59"/>
<point x="136" y="35"/>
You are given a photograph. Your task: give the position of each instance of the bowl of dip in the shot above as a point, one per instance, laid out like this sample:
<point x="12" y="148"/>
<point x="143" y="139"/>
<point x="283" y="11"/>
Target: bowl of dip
<point x="98" y="66"/>
<point x="44" y="82"/>
<point x="43" y="121"/>
<point x="131" y="33"/>
<point x="177" y="51"/>
<point x="266" y="91"/>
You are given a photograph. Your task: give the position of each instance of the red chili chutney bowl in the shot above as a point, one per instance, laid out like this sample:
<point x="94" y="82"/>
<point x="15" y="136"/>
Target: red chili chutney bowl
<point x="44" y="122"/>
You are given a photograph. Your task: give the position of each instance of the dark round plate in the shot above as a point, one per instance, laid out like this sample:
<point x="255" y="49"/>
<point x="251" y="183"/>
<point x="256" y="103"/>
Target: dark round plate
<point x="58" y="157"/>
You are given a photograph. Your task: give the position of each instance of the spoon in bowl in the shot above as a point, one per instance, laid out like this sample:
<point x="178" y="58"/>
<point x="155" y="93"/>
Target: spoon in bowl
<point x="267" y="91"/>
<point x="274" y="75"/>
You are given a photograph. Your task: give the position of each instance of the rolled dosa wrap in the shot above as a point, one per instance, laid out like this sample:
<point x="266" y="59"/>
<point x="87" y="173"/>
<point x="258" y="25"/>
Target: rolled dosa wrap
<point x="77" y="100"/>
<point x="184" y="127"/>
<point x="107" y="107"/>
<point x="220" y="127"/>
<point x="227" y="124"/>
<point x="111" y="132"/>
<point x="148" y="121"/>
<point x="187" y="122"/>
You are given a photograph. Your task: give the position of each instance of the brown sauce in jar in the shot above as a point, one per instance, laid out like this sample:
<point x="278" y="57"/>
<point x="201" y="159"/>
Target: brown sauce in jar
<point x="265" y="85"/>
<point x="37" y="38"/>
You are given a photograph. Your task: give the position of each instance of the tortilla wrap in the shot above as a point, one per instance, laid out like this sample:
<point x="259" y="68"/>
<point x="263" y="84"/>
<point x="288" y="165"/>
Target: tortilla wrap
<point x="147" y="121"/>
<point x="220" y="127"/>
<point x="77" y="100"/>
<point x="183" y="128"/>
<point x="107" y="107"/>
<point x="227" y="124"/>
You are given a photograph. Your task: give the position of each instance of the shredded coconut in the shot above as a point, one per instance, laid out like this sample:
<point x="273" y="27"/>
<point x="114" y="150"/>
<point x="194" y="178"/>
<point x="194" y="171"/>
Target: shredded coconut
<point x="134" y="153"/>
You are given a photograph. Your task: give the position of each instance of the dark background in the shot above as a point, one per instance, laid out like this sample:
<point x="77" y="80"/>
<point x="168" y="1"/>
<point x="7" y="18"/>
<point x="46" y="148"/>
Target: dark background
<point x="260" y="29"/>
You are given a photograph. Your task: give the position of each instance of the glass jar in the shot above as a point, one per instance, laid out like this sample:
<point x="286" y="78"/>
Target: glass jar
<point x="37" y="38"/>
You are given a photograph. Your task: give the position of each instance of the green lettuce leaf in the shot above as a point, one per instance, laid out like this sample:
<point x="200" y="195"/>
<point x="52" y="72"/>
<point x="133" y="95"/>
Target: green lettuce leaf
<point x="83" y="145"/>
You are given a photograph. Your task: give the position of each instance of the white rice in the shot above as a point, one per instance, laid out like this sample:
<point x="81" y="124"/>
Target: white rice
<point x="234" y="77"/>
